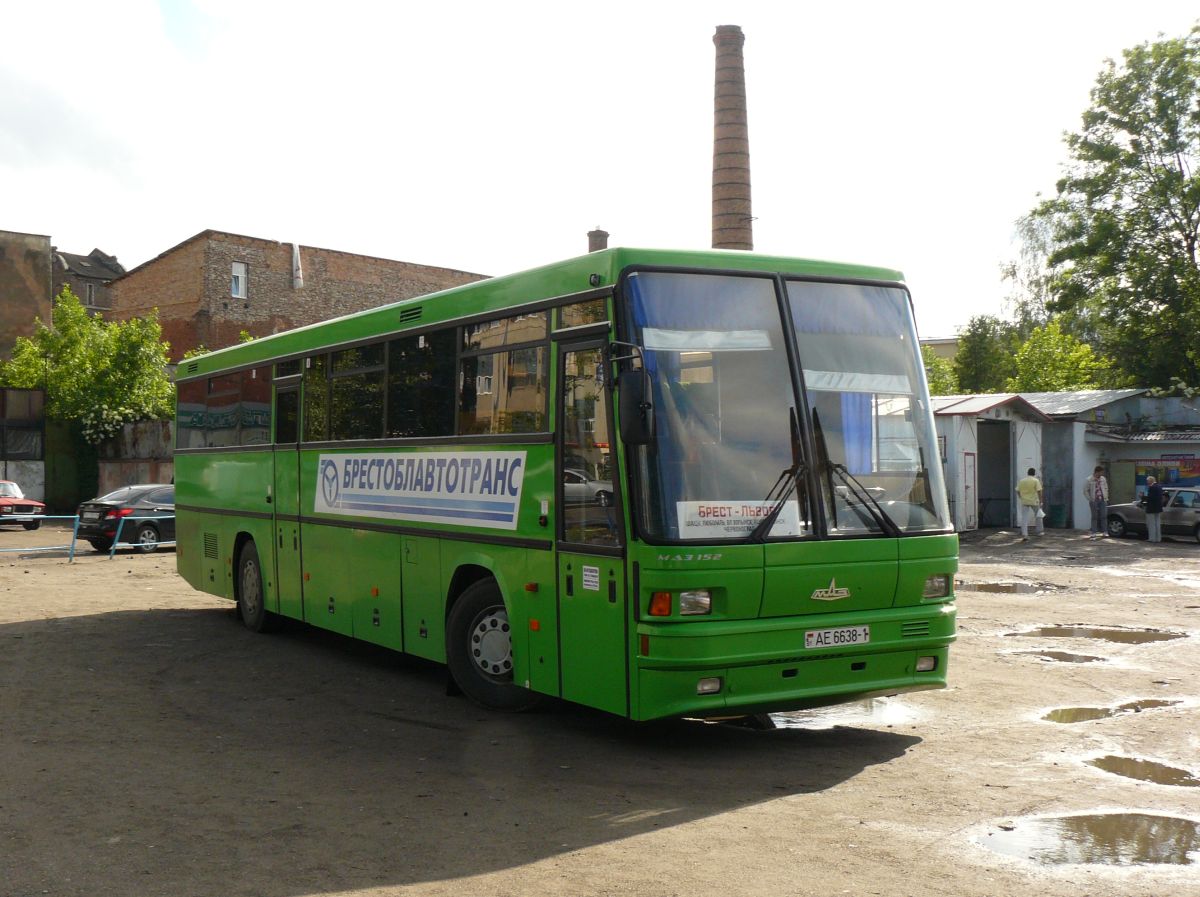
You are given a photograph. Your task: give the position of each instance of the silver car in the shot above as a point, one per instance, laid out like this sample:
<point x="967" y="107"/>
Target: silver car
<point x="1180" y="516"/>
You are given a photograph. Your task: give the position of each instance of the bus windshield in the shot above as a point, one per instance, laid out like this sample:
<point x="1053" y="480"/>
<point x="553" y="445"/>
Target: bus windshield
<point x="724" y="401"/>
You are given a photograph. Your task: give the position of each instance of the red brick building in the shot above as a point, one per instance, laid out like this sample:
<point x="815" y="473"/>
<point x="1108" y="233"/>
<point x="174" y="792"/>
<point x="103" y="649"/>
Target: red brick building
<point x="214" y="285"/>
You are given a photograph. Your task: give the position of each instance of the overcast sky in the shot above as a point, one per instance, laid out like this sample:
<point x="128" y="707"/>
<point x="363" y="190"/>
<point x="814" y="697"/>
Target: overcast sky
<point x="490" y="137"/>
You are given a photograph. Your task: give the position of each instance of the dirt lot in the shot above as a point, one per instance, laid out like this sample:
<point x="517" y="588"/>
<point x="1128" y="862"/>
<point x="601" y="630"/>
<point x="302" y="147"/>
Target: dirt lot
<point x="149" y="745"/>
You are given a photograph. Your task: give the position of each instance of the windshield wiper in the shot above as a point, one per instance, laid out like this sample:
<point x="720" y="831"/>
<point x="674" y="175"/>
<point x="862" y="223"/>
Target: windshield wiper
<point x="886" y="523"/>
<point x="784" y="486"/>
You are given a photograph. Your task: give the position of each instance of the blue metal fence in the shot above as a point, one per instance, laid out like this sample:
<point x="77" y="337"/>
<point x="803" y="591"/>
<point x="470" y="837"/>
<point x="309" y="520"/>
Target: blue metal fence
<point x="70" y="547"/>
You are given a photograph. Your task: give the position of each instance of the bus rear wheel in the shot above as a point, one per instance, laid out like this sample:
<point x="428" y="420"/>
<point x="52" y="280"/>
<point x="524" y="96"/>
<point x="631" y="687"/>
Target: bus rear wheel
<point x="479" y="650"/>
<point x="251" y="603"/>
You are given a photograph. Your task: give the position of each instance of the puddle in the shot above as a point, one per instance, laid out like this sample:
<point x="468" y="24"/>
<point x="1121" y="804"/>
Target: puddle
<point x="1083" y="714"/>
<point x="872" y="712"/>
<point x="1018" y="588"/>
<point x="1145" y="771"/>
<point x="1063" y="656"/>
<point x="1109" y="839"/>
<point x="1123" y="636"/>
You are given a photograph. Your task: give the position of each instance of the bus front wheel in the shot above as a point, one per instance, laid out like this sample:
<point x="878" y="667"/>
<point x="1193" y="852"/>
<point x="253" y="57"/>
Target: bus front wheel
<point x="479" y="650"/>
<point x="251" y="606"/>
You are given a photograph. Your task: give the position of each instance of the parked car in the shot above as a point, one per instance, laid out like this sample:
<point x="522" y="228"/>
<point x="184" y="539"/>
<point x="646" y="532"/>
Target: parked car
<point x="579" y="490"/>
<point x="152" y="507"/>
<point x="16" y="508"/>
<point x="1180" y="516"/>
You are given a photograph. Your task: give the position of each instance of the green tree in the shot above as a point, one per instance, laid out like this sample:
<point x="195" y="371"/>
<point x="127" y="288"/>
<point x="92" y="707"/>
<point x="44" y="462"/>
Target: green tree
<point x="1053" y="361"/>
<point x="101" y="374"/>
<point x="1125" y="221"/>
<point x="939" y="372"/>
<point x="984" y="360"/>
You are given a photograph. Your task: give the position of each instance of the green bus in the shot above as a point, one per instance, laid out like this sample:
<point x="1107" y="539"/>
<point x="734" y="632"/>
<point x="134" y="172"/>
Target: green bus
<point x="657" y="483"/>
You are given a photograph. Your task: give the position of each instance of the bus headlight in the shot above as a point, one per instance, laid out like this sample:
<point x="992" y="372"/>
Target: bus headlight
<point x="936" y="586"/>
<point x="709" y="686"/>
<point x="697" y="601"/>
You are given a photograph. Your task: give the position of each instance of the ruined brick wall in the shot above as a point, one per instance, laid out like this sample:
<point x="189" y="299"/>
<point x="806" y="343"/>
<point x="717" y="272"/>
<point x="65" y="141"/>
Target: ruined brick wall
<point x="26" y="286"/>
<point x="174" y="284"/>
<point x="335" y="283"/>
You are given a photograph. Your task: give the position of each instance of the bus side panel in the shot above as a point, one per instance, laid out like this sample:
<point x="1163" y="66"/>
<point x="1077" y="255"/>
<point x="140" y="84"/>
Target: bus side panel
<point x="424" y="598"/>
<point x="328" y="593"/>
<point x="189" y="556"/>
<point x="375" y="581"/>
<point x="535" y="614"/>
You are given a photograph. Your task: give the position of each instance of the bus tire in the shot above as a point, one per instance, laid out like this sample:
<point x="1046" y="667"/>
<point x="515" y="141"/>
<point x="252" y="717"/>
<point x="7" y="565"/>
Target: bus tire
<point x="479" y="650"/>
<point x="248" y="585"/>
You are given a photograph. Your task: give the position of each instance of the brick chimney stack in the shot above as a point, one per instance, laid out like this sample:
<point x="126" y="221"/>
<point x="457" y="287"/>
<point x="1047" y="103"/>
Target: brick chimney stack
<point x="597" y="239"/>
<point x="731" y="215"/>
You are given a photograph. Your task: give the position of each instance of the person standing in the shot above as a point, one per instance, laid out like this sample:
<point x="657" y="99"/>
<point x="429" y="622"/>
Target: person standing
<point x="1029" y="491"/>
<point x="1154" y="508"/>
<point x="1095" y="489"/>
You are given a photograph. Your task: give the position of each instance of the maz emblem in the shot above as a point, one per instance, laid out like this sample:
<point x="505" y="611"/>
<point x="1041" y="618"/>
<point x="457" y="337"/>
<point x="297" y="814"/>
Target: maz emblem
<point x="833" y="593"/>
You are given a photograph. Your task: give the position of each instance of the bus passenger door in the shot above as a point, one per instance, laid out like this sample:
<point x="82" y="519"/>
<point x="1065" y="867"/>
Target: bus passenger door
<point x="286" y="502"/>
<point x="592" y="611"/>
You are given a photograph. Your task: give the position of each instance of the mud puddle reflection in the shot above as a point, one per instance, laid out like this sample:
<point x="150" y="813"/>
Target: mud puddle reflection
<point x="1145" y="770"/>
<point x="872" y="712"/>
<point x="1120" y="636"/>
<point x="1110" y="839"/>
<point x="1084" y="714"/>
<point x="1016" y="588"/>
<point x="1064" y="656"/>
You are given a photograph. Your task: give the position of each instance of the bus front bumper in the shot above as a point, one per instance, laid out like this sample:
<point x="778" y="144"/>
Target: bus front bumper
<point x="762" y="666"/>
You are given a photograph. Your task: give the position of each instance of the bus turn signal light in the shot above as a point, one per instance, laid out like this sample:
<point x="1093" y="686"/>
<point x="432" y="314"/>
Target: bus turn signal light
<point x="660" y="604"/>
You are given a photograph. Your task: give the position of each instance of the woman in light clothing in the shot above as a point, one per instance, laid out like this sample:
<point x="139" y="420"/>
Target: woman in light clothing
<point x="1095" y="489"/>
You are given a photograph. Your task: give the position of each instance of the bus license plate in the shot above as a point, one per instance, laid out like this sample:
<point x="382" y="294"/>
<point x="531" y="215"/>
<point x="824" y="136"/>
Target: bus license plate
<point x="834" y="638"/>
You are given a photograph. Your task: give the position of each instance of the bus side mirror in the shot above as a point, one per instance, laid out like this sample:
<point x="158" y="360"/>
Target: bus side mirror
<point x="637" y="414"/>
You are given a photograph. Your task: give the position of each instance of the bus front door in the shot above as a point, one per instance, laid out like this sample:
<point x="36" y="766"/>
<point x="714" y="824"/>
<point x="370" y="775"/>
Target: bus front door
<point x="287" y="504"/>
<point x="592" y="612"/>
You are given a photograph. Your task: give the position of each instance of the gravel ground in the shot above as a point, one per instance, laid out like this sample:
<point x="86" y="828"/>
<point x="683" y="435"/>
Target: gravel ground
<point x="149" y="745"/>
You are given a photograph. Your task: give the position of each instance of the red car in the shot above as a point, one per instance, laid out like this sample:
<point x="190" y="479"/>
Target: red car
<point x="16" y="508"/>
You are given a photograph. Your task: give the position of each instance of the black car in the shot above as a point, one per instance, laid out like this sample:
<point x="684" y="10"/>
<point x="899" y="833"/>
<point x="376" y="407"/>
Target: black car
<point x="150" y="507"/>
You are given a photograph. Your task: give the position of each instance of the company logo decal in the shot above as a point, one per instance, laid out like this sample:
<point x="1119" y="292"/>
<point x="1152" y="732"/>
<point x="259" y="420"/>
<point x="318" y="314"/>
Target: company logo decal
<point x="833" y="593"/>
<point x="464" y="488"/>
<point x="331" y="487"/>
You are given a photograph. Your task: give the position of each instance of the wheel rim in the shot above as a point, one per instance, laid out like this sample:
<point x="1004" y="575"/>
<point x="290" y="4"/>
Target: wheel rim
<point x="251" y="593"/>
<point x="491" y="645"/>
<point x="148" y="538"/>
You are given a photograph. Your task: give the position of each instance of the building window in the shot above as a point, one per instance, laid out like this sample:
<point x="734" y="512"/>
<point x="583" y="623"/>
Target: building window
<point x="239" y="276"/>
<point x="91" y="294"/>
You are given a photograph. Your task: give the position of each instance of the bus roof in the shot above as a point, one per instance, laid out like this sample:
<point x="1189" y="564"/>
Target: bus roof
<point x="498" y="294"/>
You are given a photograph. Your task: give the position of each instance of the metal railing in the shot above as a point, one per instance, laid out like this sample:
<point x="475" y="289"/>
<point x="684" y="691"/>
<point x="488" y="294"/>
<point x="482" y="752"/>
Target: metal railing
<point x="41" y="517"/>
<point x="74" y="518"/>
<point x="121" y="525"/>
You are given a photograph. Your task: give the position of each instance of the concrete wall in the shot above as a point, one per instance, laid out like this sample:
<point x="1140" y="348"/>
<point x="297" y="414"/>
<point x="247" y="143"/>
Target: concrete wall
<point x="141" y="453"/>
<point x="190" y="287"/>
<point x="29" y="475"/>
<point x="25" y="286"/>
